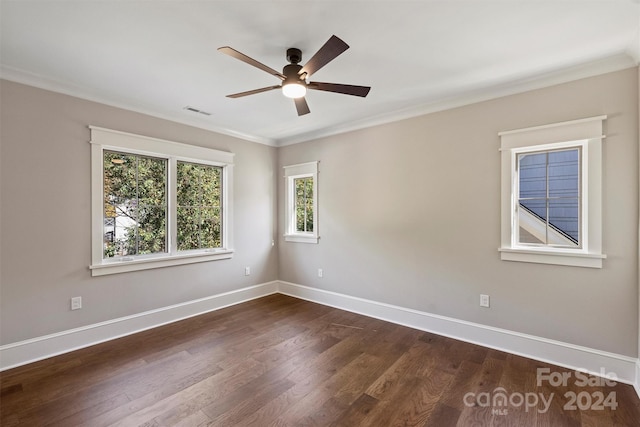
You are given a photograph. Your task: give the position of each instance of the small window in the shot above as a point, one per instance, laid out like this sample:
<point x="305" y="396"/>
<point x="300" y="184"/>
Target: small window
<point x="157" y="203"/>
<point x="552" y="194"/>
<point x="301" y="203"/>
<point x="303" y="188"/>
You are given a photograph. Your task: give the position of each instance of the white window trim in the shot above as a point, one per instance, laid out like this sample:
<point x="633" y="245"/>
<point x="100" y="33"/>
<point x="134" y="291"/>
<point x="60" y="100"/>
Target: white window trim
<point x="584" y="133"/>
<point x="106" y="139"/>
<point x="302" y="170"/>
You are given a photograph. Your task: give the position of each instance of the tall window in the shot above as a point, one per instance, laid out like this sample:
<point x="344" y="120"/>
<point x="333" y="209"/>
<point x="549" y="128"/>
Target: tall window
<point x="551" y="205"/>
<point x="301" y="199"/>
<point x="199" y="206"/>
<point x="157" y="203"/>
<point x="303" y="188"/>
<point x="135" y="204"/>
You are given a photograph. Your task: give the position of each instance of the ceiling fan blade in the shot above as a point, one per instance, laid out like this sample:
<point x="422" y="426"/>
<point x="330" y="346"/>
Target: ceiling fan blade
<point x="253" y="92"/>
<point x="301" y="106"/>
<point x="327" y="53"/>
<point x="340" y="88"/>
<point x="244" y="58"/>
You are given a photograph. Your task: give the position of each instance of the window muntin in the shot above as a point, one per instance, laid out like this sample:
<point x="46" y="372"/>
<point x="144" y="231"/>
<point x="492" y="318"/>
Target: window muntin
<point x="303" y="188"/>
<point x="135" y="204"/>
<point x="548" y="198"/>
<point x="199" y="207"/>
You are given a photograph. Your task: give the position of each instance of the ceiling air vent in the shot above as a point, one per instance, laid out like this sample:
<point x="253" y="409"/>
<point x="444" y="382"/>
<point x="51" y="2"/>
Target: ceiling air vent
<point x="197" y="110"/>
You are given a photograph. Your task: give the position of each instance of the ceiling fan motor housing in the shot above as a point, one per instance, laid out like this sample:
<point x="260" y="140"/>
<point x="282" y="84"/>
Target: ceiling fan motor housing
<point x="291" y="72"/>
<point x="294" y="55"/>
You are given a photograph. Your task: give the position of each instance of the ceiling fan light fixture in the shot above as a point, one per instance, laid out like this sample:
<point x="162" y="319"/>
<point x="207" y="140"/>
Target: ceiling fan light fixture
<point x="294" y="90"/>
<point x="295" y="77"/>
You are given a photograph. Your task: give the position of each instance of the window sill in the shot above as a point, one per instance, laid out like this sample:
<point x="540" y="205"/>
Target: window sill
<point x="126" y="265"/>
<point x="545" y="256"/>
<point x="301" y="238"/>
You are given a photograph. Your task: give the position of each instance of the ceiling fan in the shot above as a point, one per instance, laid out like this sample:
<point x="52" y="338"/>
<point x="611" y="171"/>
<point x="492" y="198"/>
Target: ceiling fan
<point x="295" y="77"/>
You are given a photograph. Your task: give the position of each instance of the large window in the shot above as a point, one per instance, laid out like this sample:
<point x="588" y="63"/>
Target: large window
<point x="301" y="203"/>
<point x="551" y="194"/>
<point x="157" y="203"/>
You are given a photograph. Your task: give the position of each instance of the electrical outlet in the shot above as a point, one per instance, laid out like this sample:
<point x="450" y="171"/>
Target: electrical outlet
<point x="320" y="272"/>
<point x="484" y="300"/>
<point x="247" y="271"/>
<point x="76" y="303"/>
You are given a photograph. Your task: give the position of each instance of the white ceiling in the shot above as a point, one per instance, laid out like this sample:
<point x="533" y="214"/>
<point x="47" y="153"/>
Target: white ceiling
<point x="157" y="57"/>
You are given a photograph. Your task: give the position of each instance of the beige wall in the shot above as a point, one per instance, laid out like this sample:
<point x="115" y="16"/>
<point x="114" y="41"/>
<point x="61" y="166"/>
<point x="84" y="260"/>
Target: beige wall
<point x="410" y="215"/>
<point x="45" y="221"/>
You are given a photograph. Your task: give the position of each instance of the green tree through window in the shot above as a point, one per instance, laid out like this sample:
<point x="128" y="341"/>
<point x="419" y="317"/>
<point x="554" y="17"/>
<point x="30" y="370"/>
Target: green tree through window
<point x="135" y="204"/>
<point x="303" y="188"/>
<point x="199" y="193"/>
<point x="158" y="203"/>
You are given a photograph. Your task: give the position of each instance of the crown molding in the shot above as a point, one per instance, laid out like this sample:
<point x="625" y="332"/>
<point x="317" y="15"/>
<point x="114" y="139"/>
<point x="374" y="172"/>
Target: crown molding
<point x="41" y="82"/>
<point x="617" y="62"/>
<point x="622" y="60"/>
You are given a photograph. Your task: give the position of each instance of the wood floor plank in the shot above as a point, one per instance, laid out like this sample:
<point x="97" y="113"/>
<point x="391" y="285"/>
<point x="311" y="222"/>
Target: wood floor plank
<point x="357" y="412"/>
<point x="422" y="399"/>
<point x="182" y="403"/>
<point x="333" y="381"/>
<point x="468" y="379"/>
<point x="197" y="419"/>
<point x="281" y="361"/>
<point x="239" y="407"/>
<point x="391" y="380"/>
<point x="472" y="409"/>
<point x="168" y="373"/>
<point x="443" y="415"/>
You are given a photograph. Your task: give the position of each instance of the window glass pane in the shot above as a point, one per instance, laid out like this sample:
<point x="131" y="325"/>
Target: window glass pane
<point x="564" y="221"/>
<point x="188" y="220"/>
<point x="210" y="228"/>
<point x="309" y="204"/>
<point x="532" y="221"/>
<point x="187" y="183"/>
<point x="151" y="230"/>
<point x="151" y="181"/>
<point x="126" y="230"/>
<point x="135" y="208"/>
<point x="303" y="188"/>
<point x="535" y="207"/>
<point x="119" y="177"/>
<point x="211" y="187"/>
<point x="533" y="175"/>
<point x="549" y="198"/>
<point x="199" y="195"/>
<point x="564" y="173"/>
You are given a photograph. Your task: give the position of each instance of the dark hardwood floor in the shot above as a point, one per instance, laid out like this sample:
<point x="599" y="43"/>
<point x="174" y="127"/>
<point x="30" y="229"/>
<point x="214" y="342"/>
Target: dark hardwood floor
<point x="280" y="361"/>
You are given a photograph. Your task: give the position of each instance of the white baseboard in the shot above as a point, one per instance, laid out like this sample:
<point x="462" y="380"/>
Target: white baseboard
<point x="625" y="368"/>
<point x="32" y="350"/>
<point x="637" y="383"/>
